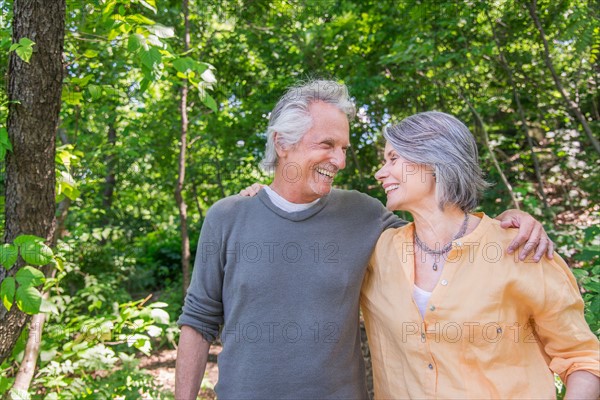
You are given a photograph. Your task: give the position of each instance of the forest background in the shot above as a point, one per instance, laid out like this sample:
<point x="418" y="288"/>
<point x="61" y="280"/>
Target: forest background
<point x="127" y="119"/>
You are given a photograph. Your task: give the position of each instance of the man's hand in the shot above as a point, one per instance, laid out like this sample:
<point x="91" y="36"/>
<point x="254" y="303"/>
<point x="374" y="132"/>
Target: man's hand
<point x="531" y="233"/>
<point x="252" y="191"/>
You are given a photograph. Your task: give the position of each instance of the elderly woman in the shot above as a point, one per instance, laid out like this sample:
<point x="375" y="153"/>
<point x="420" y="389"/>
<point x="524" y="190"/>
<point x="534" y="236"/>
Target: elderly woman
<point x="449" y="314"/>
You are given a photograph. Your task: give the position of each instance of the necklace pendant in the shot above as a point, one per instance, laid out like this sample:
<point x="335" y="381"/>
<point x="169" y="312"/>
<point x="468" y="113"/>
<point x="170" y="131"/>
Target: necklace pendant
<point x="435" y="266"/>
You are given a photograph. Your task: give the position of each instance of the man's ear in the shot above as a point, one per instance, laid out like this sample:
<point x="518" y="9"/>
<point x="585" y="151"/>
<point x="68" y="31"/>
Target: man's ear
<point x="280" y="148"/>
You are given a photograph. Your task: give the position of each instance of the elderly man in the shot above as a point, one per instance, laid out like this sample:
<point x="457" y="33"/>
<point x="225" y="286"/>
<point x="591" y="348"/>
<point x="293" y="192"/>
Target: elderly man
<point x="281" y="272"/>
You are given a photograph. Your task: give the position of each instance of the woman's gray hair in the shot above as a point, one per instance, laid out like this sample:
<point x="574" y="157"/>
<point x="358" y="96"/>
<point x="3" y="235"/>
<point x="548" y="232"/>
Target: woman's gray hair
<point x="290" y="118"/>
<point x="443" y="142"/>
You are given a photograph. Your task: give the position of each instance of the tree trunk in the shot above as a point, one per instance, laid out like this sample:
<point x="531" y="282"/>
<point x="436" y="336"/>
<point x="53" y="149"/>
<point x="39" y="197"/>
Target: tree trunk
<point x="572" y="106"/>
<point x="110" y="180"/>
<point x="185" y="238"/>
<point x="34" y="92"/>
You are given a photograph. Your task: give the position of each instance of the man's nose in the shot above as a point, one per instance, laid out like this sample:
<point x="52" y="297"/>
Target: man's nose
<point x="339" y="159"/>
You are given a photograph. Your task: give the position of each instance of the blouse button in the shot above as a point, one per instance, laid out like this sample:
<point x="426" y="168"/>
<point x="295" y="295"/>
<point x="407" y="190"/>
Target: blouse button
<point x="430" y="366"/>
<point x="432" y="308"/>
<point x="444" y="282"/>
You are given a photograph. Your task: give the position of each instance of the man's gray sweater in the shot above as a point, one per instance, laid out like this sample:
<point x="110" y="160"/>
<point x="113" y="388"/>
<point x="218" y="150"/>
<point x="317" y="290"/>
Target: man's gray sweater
<point x="285" y="289"/>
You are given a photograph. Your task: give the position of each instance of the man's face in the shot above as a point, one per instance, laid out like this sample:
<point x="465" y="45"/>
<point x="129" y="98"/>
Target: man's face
<point x="308" y="168"/>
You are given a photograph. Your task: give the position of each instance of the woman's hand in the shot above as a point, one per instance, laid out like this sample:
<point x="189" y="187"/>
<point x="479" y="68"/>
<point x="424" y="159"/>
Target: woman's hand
<point x="252" y="191"/>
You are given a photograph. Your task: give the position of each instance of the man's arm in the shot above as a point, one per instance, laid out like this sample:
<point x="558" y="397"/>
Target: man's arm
<point x="192" y="355"/>
<point x="582" y="385"/>
<point x="531" y="233"/>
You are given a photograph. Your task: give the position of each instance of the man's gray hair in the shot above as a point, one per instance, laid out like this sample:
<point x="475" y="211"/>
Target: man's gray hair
<point x="445" y="143"/>
<point x="290" y="118"/>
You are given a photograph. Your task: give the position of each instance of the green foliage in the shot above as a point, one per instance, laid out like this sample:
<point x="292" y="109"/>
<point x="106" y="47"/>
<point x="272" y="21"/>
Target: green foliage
<point x="24" y="49"/>
<point x="22" y="287"/>
<point x="90" y="344"/>
<point x="125" y="64"/>
<point x="5" y="144"/>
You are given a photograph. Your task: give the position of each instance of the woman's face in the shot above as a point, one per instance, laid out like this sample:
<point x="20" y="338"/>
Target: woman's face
<point x="407" y="185"/>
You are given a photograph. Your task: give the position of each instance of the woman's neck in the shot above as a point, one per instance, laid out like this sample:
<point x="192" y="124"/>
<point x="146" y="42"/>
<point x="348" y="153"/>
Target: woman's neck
<point x="437" y="227"/>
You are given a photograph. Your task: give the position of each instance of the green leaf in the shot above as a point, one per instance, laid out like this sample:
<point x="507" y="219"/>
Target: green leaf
<point x="151" y="57"/>
<point x="139" y="19"/>
<point x="95" y="91"/>
<point x="36" y="253"/>
<point x="163" y="32"/>
<point x="82" y="81"/>
<point x="4" y="139"/>
<point x="71" y="97"/>
<point x="29" y="276"/>
<point x="587" y="254"/>
<point x="48" y="307"/>
<point x="184" y="64"/>
<point x="108" y="8"/>
<point x="592" y="286"/>
<point x="209" y="101"/>
<point x="7" y="292"/>
<point x="26" y="42"/>
<point x="150" y="4"/>
<point x="5" y="383"/>
<point x="133" y="43"/>
<point x="579" y="273"/>
<point x="89" y="53"/>
<point x="29" y="299"/>
<point x="24" y="49"/>
<point x="22" y="239"/>
<point x="8" y="255"/>
<point x="18" y="394"/>
<point x="5" y="144"/>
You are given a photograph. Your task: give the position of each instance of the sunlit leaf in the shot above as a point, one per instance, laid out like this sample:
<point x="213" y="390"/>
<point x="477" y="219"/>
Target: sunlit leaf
<point x="28" y="299"/>
<point x="89" y="53"/>
<point x="29" y="276"/>
<point x="160" y="316"/>
<point x="95" y="91"/>
<point x="48" y="306"/>
<point x="150" y="4"/>
<point x="139" y="19"/>
<point x="22" y="239"/>
<point x="163" y="32"/>
<point x="36" y="253"/>
<point x="7" y="292"/>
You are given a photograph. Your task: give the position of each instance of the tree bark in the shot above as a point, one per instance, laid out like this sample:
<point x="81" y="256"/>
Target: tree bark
<point x="572" y="106"/>
<point x="34" y="92"/>
<point x="185" y="239"/>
